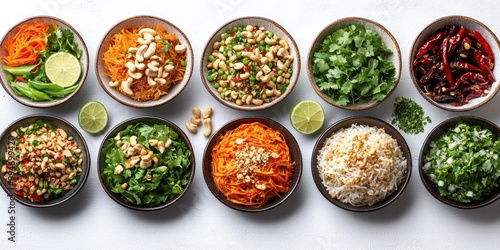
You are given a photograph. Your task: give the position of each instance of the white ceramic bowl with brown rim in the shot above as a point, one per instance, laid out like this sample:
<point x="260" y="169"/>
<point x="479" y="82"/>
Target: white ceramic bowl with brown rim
<point x="387" y="38"/>
<point x="138" y="22"/>
<point x="84" y="62"/>
<point x="470" y="24"/>
<point x="235" y="89"/>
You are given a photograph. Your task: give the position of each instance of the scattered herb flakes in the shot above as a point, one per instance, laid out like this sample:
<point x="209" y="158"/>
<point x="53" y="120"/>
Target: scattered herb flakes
<point x="409" y="116"/>
<point x="352" y="66"/>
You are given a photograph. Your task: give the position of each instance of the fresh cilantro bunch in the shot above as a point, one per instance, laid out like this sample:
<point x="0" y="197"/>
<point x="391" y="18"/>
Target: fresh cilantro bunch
<point x="352" y="66"/>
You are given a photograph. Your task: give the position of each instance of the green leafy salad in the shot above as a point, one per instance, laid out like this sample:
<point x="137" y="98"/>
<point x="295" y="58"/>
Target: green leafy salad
<point x="353" y="66"/>
<point x="464" y="164"/>
<point x="146" y="164"/>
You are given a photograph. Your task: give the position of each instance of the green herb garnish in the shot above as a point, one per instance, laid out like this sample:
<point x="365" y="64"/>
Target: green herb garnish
<point x="409" y="116"/>
<point x="352" y="66"/>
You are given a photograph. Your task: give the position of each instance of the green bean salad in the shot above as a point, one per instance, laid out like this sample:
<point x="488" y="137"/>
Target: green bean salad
<point x="250" y="65"/>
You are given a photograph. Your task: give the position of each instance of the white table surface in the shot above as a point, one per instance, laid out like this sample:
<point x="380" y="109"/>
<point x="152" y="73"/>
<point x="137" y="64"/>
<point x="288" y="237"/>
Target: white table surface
<point x="199" y="221"/>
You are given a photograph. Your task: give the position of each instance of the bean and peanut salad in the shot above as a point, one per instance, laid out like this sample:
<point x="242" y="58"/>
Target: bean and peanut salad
<point x="250" y="65"/>
<point x="44" y="162"/>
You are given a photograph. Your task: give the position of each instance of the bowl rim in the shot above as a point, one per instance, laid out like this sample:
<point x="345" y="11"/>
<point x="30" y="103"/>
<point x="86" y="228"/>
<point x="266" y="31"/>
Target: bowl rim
<point x="296" y="64"/>
<point x="147" y="119"/>
<point x="412" y="53"/>
<point x="49" y="118"/>
<point x="372" y="122"/>
<point x="437" y="132"/>
<point x="341" y="23"/>
<point x="147" y="104"/>
<point x="84" y="62"/>
<point x="292" y="144"/>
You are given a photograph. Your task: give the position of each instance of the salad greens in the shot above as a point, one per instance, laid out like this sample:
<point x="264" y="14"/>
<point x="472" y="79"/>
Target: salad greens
<point x="352" y="66"/>
<point x="58" y="40"/>
<point x="156" y="184"/>
<point x="464" y="164"/>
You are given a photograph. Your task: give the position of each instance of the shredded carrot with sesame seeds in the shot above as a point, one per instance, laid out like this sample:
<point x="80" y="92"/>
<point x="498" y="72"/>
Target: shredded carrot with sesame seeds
<point x="23" y="47"/>
<point x="117" y="55"/>
<point x="251" y="164"/>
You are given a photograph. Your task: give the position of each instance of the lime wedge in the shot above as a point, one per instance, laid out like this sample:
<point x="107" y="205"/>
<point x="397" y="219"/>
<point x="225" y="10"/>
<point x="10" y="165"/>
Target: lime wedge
<point x="63" y="69"/>
<point x="307" y="116"/>
<point x="93" y="117"/>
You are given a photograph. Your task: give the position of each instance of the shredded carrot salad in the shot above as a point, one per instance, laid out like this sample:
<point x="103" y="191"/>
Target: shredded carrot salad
<point x="251" y="164"/>
<point x="117" y="55"/>
<point x="23" y="47"/>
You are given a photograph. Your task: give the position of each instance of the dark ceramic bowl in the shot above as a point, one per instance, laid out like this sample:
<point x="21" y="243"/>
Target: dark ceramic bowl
<point x="435" y="134"/>
<point x="372" y="122"/>
<point x="84" y="61"/>
<point x="137" y="22"/>
<point x="7" y="139"/>
<point x="269" y="25"/>
<point x="148" y="120"/>
<point x="387" y="39"/>
<point x="294" y="152"/>
<point x="470" y="24"/>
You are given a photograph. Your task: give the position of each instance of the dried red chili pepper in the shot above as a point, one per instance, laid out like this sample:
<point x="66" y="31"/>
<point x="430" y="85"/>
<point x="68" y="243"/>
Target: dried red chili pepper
<point x="461" y="65"/>
<point x="457" y="39"/>
<point x="444" y="58"/>
<point x="483" y="43"/>
<point x="429" y="44"/>
<point x="470" y="77"/>
<point x="483" y="65"/>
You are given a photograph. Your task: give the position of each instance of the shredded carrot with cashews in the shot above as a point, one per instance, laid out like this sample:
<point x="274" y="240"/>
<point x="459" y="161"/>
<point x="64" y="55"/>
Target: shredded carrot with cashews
<point x="252" y="164"/>
<point x="115" y="58"/>
<point x="23" y="47"/>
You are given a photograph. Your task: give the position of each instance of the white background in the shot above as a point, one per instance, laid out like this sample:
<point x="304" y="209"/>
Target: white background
<point x="199" y="221"/>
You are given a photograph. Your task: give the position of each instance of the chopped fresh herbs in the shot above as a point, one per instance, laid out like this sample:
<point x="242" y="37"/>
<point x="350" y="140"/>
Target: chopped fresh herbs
<point x="409" y="116"/>
<point x="352" y="66"/>
<point x="142" y="181"/>
<point x="464" y="163"/>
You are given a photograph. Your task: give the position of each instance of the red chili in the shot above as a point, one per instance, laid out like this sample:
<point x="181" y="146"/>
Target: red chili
<point x="478" y="57"/>
<point x="20" y="193"/>
<point x="237" y="78"/>
<point x="457" y="39"/>
<point x="469" y="77"/>
<point x="246" y="68"/>
<point x="446" y="66"/>
<point x="26" y="160"/>
<point x="460" y="65"/>
<point x="483" y="43"/>
<point x="429" y="44"/>
<point x="36" y="198"/>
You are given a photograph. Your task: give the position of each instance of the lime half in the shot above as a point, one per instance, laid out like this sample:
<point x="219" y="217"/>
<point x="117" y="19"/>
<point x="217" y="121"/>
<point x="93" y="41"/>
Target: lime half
<point x="307" y="116"/>
<point x="63" y="69"/>
<point x="93" y="117"/>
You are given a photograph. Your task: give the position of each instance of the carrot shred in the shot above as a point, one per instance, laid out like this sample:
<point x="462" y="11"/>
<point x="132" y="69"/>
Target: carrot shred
<point x="115" y="58"/>
<point x="269" y="166"/>
<point x="23" y="47"/>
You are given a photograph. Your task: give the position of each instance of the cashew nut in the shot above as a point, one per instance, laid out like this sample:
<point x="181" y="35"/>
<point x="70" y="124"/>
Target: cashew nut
<point x="130" y="66"/>
<point x="191" y="127"/>
<point x="125" y="86"/>
<point x="159" y="80"/>
<point x="133" y="140"/>
<point x="196" y="112"/>
<point x="207" y="124"/>
<point x="169" y="67"/>
<point x="150" y="51"/>
<point x="196" y="120"/>
<point x="151" y="81"/>
<point x="139" y="55"/>
<point x="180" y="48"/>
<point x="135" y="75"/>
<point x="207" y="113"/>
<point x="113" y="84"/>
<point x="151" y="31"/>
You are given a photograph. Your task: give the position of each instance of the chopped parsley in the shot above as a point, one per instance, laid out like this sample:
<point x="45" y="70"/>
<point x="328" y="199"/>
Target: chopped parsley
<point x="409" y="116"/>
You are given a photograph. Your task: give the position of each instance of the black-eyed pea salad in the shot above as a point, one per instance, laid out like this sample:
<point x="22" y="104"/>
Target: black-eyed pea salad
<point x="44" y="162"/>
<point x="250" y="65"/>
